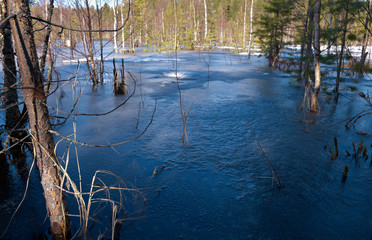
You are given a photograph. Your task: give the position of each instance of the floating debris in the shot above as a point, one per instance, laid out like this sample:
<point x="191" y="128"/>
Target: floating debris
<point x="362" y="133"/>
<point x="157" y="170"/>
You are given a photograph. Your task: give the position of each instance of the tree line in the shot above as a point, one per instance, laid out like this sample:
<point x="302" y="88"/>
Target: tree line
<point x="317" y="27"/>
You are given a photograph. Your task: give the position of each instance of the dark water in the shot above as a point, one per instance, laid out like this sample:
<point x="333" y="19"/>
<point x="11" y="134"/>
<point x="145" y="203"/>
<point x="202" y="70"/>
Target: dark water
<point x="216" y="186"/>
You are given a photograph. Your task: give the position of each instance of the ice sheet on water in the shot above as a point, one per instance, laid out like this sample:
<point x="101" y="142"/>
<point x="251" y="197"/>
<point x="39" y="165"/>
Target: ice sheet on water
<point x="178" y="75"/>
<point x="154" y="59"/>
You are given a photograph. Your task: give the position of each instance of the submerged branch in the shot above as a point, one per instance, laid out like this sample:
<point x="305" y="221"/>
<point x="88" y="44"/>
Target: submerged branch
<point x="98" y="114"/>
<point x="266" y="158"/>
<point x="111" y="145"/>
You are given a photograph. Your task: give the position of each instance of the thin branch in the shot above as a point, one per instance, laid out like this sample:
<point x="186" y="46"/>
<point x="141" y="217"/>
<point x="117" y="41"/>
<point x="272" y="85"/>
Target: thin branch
<point x="80" y="30"/>
<point x="19" y="141"/>
<point x="111" y="145"/>
<point x="97" y="114"/>
<point x="266" y="158"/>
<point x="6" y="20"/>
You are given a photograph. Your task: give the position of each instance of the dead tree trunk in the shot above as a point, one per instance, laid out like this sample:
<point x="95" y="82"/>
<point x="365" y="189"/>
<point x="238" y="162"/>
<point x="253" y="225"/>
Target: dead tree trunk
<point x="314" y="95"/>
<point x="42" y="139"/>
<point x="118" y="87"/>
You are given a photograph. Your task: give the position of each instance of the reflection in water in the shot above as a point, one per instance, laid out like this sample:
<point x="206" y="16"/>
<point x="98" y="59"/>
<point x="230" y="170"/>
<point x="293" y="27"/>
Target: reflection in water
<point x="4" y="175"/>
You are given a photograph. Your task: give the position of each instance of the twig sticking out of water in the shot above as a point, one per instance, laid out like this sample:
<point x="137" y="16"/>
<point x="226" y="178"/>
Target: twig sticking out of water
<point x="334" y="156"/>
<point x="344" y="174"/>
<point x="275" y="176"/>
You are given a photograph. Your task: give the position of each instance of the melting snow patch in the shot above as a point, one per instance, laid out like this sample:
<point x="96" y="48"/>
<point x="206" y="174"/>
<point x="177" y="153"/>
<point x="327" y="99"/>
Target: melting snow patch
<point x="154" y="59"/>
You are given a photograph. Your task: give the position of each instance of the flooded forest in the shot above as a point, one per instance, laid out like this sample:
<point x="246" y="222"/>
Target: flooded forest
<point x="185" y="119"/>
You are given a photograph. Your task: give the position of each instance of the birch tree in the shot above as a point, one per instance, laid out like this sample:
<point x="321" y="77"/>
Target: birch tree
<point x="317" y="82"/>
<point x="250" y="30"/>
<point x="122" y="23"/>
<point x="205" y="20"/>
<point x="116" y="25"/>
<point x="365" y="35"/>
<point x="244" y="23"/>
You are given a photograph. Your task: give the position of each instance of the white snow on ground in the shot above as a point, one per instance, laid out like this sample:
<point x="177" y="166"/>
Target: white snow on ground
<point x="295" y="50"/>
<point x="81" y="60"/>
<point x="154" y="59"/>
<point x="227" y="47"/>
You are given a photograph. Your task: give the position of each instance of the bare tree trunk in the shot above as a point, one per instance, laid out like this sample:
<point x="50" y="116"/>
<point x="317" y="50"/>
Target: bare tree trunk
<point x="339" y="67"/>
<point x="72" y="45"/>
<point x="118" y="87"/>
<point x="300" y="68"/>
<point x="47" y="37"/>
<point x="195" y="24"/>
<point x="250" y="31"/>
<point x="61" y="21"/>
<point x="35" y="100"/>
<point x="115" y="26"/>
<point x="10" y="98"/>
<point x="162" y="25"/>
<point x="90" y="47"/>
<point x="205" y="20"/>
<point x="244" y="23"/>
<point x="131" y="28"/>
<point x="122" y="23"/>
<point x="315" y="93"/>
<point x="309" y="51"/>
<point x="365" y="37"/>
<point x="329" y="41"/>
<point x="101" y="63"/>
<point x="175" y="25"/>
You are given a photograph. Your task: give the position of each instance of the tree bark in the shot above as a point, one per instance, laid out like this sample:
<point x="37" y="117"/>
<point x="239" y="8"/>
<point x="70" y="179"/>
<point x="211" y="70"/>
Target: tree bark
<point x="195" y="23"/>
<point x="244" y="23"/>
<point x="35" y="99"/>
<point x="115" y="26"/>
<point x="314" y="95"/>
<point x="90" y="46"/>
<point x="12" y="113"/>
<point x="250" y="31"/>
<point x="47" y="36"/>
<point x="101" y="63"/>
<point x="122" y="23"/>
<point x="175" y="25"/>
<point x="365" y="37"/>
<point x="205" y="20"/>
<point x="339" y="67"/>
<point x="309" y="51"/>
<point x="329" y="41"/>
